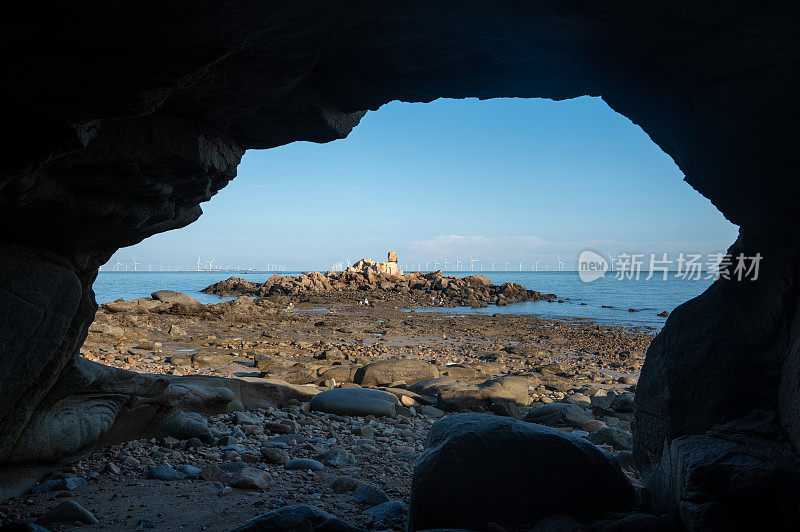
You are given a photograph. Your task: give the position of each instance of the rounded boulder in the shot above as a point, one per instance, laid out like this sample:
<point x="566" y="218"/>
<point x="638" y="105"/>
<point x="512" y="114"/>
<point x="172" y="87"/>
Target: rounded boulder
<point x="478" y="469"/>
<point x="355" y="402"/>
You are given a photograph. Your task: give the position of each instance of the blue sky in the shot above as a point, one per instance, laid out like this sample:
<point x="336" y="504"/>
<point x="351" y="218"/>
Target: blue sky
<point x="495" y="180"/>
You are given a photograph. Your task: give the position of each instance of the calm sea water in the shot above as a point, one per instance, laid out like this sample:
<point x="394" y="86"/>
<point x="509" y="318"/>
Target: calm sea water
<point x="648" y="297"/>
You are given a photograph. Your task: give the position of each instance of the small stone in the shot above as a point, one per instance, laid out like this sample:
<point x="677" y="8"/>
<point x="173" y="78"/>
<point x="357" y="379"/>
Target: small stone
<point x="388" y="511"/>
<point x="623" y="403"/>
<point x="130" y="461"/>
<point x="336" y="458"/>
<point x="431" y="411"/>
<point x="304" y="464"/>
<point x="141" y="524"/>
<point x="369" y="494"/>
<point x="579" y="399"/>
<point x="250" y="478"/>
<point x="405" y="400"/>
<point x="244" y="418"/>
<point x="344" y="485"/>
<point x="274" y="455"/>
<point x="367" y="431"/>
<point x="70" y="483"/>
<point x="277" y="428"/>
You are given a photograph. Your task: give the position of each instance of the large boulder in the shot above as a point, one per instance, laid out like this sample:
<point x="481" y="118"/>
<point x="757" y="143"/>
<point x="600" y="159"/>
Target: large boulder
<point x="356" y="402"/>
<point x="478" y="469"/>
<point x="402" y="370"/>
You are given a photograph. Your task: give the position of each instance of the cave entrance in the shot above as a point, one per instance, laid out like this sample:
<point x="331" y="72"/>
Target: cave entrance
<point x="461" y="185"/>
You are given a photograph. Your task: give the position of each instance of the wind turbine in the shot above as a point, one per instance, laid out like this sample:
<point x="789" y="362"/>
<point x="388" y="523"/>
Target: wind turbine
<point x="537" y="265"/>
<point x="471" y="261"/>
<point x="560" y="264"/>
<point x="493" y="265"/>
<point x="210" y="264"/>
<point x="481" y="265"/>
<point x="612" y="262"/>
<point x="426" y="265"/>
<point x="458" y="262"/>
<point x="435" y="264"/>
<point x="149" y="267"/>
<point x="445" y="265"/>
<point x="520" y="265"/>
<point x="198" y="263"/>
<point x="134" y="264"/>
<point x="118" y="265"/>
<point x="506" y="265"/>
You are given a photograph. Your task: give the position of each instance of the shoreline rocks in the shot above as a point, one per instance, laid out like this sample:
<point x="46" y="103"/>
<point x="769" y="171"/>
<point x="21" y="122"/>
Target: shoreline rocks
<point x="381" y="281"/>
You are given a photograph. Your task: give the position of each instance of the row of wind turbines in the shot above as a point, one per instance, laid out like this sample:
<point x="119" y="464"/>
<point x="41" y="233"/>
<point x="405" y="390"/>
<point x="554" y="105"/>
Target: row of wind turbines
<point x="457" y="265"/>
<point x="202" y="265"/>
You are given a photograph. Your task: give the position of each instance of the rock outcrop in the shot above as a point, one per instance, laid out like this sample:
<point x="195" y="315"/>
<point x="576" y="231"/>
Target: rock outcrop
<point x="126" y="117"/>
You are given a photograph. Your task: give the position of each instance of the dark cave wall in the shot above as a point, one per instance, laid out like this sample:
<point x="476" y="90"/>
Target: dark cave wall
<point x="125" y="118"/>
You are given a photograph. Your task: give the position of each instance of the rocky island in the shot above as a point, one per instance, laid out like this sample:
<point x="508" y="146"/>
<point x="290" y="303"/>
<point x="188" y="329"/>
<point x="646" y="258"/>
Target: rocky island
<point x="382" y="283"/>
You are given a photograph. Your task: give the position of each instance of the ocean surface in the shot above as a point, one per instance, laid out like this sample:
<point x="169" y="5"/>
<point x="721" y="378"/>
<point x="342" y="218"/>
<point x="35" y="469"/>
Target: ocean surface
<point x="648" y="297"/>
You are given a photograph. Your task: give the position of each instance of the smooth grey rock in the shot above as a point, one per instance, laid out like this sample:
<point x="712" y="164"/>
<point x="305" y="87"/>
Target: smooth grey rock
<point x="369" y="494"/>
<point x="189" y="471"/>
<point x="68" y="512"/>
<point x="356" y="402"/>
<point x="385" y="372"/>
<point x="163" y="472"/>
<point x="299" y="518"/>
